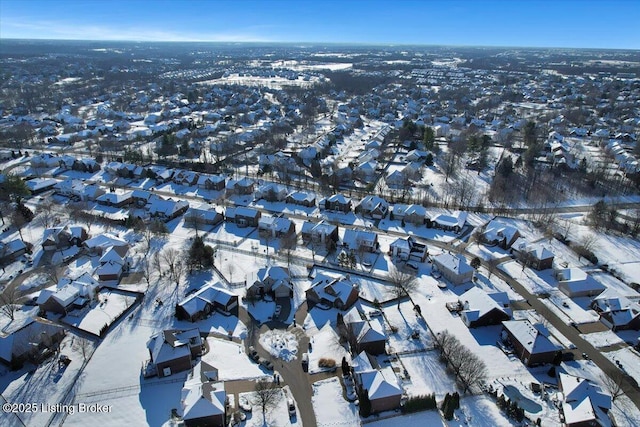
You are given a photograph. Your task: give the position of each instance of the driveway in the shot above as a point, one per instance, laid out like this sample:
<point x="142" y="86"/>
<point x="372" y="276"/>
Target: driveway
<point x="291" y="372"/>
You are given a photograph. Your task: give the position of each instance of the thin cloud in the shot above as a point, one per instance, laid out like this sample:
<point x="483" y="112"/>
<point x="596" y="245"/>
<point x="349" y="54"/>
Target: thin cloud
<point x="58" y="30"/>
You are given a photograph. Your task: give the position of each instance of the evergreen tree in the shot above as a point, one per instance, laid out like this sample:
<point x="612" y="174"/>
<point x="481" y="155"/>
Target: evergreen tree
<point x="429" y="138"/>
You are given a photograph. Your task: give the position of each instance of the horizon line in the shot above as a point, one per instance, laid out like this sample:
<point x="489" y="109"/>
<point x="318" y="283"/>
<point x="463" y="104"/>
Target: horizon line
<point x="272" y="42"/>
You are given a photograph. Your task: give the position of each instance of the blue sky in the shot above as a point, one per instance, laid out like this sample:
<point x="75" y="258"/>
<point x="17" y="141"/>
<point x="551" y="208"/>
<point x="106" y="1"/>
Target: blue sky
<point x="545" y="23"/>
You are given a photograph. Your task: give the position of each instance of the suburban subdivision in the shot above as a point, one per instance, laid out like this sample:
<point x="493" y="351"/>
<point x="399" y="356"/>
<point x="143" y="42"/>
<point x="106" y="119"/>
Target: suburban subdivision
<point x="239" y="234"/>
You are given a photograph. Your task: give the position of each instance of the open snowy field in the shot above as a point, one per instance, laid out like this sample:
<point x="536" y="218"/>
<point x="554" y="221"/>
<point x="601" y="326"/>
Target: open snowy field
<point x="330" y="407"/>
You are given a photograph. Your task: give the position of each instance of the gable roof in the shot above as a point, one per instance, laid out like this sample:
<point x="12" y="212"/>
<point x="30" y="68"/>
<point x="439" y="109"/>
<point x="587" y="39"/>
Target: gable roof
<point x="476" y="303"/>
<point x="380" y="383"/>
<point x="530" y="337"/>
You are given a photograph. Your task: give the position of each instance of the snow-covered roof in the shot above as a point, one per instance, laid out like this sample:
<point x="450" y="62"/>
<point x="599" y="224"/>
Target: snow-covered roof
<point x="105" y="240"/>
<point x="456" y="219"/>
<point x="208" y="294"/>
<point x="320" y="228"/>
<point x="577" y="280"/>
<point x="173" y="344"/>
<point x="529" y="336"/>
<point x="496" y="230"/>
<point x="380" y="383"/>
<point x="368" y="331"/>
<point x="476" y="303"/>
<point x="454" y="263"/>
<point x="583" y="400"/>
<point x="401" y="210"/>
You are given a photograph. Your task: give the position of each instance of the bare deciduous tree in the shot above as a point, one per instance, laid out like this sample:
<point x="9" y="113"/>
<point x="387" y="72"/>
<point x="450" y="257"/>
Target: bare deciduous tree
<point x="84" y="346"/>
<point x="467" y="367"/>
<point x="267" y="395"/>
<point x="171" y="258"/>
<point x="612" y="381"/>
<point x="9" y="301"/>
<point x="401" y="283"/>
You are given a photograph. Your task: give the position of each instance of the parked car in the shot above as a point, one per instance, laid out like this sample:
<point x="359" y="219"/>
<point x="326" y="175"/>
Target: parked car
<point x="375" y="313"/>
<point x="244" y="404"/>
<point x="266" y="364"/>
<point x="412" y="266"/>
<point x="253" y="354"/>
<point x="292" y="407"/>
<point x="305" y="362"/>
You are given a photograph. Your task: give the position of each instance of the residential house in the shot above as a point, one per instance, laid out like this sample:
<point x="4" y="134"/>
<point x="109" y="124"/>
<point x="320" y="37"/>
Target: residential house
<point x="203" y="216"/>
<point x="186" y="178"/>
<point x="112" y="266"/>
<point x="271" y="192"/>
<point x="244" y="186"/>
<point x="533" y="255"/>
<point x="407" y="249"/>
<point x="272" y="280"/>
<point x="582" y="402"/>
<point x="616" y="311"/>
<point x="243" y="216"/>
<point x="212" y="182"/>
<point x="373" y="207"/>
<point x="500" y="234"/>
<point x="301" y="198"/>
<point x="337" y="202"/>
<point x="204" y="399"/>
<point x="480" y="308"/>
<point x="450" y="222"/>
<point x="575" y="282"/>
<point x="141" y="197"/>
<point x="276" y="227"/>
<point x="10" y="251"/>
<point x="116" y="199"/>
<point x="381" y="385"/>
<point x="77" y="190"/>
<point x="360" y="240"/>
<point x="321" y="233"/>
<point x="166" y="209"/>
<point x="40" y="185"/>
<point x="68" y="295"/>
<point x="530" y="344"/>
<point x="414" y="214"/>
<point x="369" y="335"/>
<point x="25" y="337"/>
<point x="60" y="238"/>
<point x="204" y="301"/>
<point x="173" y="350"/>
<point x="454" y="268"/>
<point x="340" y="293"/>
<point x="102" y="242"/>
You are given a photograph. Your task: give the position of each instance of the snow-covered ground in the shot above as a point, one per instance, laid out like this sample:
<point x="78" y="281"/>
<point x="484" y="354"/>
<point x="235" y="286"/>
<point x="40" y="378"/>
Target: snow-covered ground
<point x="97" y="315"/>
<point x="280" y="344"/>
<point x="231" y="361"/>
<point x="330" y="407"/>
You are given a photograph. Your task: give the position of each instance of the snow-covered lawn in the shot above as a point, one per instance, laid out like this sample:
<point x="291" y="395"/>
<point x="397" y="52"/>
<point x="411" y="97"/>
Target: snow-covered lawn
<point x="330" y="407"/>
<point x="424" y="418"/>
<point x="230" y="360"/>
<point x="629" y="359"/>
<point x="94" y="317"/>
<point x="406" y="322"/>
<point x="602" y="339"/>
<point x="325" y="344"/>
<point x="280" y="344"/>
<point x="479" y="411"/>
<point x="427" y="375"/>
<point x="527" y="277"/>
<point x="277" y="415"/>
